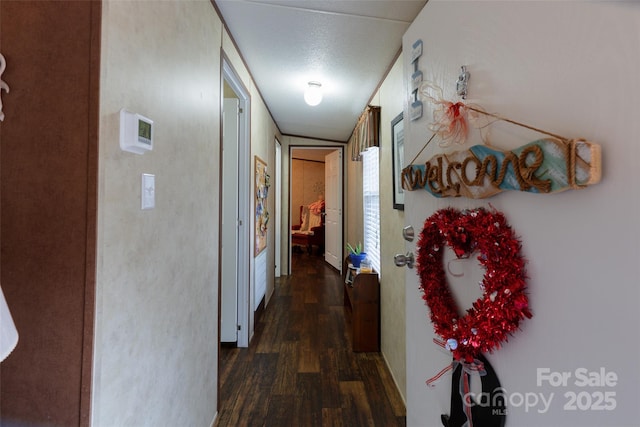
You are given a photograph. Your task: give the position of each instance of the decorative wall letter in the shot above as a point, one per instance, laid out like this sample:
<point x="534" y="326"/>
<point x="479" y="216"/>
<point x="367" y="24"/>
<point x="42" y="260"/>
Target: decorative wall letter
<point x="542" y="166"/>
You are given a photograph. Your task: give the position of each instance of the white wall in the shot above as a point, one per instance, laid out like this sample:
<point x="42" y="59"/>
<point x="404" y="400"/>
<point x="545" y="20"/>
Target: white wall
<point x="390" y="98"/>
<point x="155" y="357"/>
<point x="570" y="68"/>
<point x="263" y="134"/>
<point x="157" y="293"/>
<point x="392" y="291"/>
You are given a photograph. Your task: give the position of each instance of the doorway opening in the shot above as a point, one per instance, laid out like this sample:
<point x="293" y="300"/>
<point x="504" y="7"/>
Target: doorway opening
<point x="278" y="207"/>
<point x="234" y="250"/>
<point x="316" y="174"/>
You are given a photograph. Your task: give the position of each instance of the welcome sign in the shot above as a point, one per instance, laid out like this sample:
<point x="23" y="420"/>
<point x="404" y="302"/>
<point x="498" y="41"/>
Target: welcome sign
<point x="542" y="166"/>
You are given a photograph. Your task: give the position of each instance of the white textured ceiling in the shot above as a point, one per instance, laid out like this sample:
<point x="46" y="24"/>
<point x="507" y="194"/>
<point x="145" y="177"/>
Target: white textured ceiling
<point x="348" y="46"/>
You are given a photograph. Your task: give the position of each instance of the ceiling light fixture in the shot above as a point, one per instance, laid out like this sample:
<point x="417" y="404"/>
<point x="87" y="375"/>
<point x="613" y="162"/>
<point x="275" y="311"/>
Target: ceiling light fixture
<point x="313" y="94"/>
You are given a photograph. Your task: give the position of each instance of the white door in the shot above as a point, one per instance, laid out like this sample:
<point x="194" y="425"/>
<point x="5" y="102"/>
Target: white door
<point x="333" y="209"/>
<point x="523" y="70"/>
<point x="278" y="186"/>
<point x="229" y="254"/>
<point x="241" y="198"/>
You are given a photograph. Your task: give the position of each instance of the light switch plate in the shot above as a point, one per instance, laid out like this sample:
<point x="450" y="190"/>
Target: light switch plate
<point x="148" y="194"/>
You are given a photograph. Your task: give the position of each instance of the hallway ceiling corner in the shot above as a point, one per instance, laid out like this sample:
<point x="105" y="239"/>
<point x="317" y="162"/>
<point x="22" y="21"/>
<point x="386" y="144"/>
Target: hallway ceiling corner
<point x="346" y="45"/>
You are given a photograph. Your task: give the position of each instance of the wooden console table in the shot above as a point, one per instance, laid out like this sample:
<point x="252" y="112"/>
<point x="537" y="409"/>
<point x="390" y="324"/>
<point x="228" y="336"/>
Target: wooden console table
<point x="362" y="297"/>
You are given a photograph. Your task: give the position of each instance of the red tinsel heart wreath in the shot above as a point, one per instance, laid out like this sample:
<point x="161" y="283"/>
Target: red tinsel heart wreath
<point x="494" y="316"/>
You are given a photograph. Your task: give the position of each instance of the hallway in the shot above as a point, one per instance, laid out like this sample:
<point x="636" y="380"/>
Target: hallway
<point x="300" y="370"/>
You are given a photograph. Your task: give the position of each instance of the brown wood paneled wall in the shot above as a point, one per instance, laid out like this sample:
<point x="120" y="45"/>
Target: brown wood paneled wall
<point x="48" y="192"/>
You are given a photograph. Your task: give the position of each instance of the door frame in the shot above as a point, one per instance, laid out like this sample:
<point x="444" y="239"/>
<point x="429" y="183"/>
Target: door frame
<point x="278" y="207"/>
<point x="337" y="147"/>
<point x="229" y="76"/>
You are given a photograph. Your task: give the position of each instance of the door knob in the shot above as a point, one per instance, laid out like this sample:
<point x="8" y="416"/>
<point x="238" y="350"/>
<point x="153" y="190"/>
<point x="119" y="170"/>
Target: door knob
<point x="402" y="260"/>
<point x="408" y="233"/>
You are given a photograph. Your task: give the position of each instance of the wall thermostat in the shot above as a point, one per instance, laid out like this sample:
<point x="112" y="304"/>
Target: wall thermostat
<point x="136" y="132"/>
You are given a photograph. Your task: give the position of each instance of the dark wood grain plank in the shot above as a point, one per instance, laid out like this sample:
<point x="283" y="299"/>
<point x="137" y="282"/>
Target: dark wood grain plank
<point x="355" y="405"/>
<point x="308" y="400"/>
<point x="285" y="381"/>
<point x="391" y="390"/>
<point x="299" y="369"/>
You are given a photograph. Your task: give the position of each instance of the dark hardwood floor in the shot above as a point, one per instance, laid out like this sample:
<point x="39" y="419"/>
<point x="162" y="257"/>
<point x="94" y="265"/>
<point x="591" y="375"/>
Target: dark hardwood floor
<point x="299" y="369"/>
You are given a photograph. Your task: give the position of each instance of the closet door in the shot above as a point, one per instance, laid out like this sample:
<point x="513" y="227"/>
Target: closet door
<point x="48" y="189"/>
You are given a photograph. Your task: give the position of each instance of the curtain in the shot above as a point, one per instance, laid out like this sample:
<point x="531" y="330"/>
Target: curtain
<point x="366" y="133"/>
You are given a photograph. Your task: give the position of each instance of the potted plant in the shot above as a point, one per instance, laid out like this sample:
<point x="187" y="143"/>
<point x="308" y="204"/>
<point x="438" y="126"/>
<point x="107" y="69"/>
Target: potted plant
<point x="355" y="254"/>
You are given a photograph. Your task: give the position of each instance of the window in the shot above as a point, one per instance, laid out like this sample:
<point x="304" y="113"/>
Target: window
<point x="371" y="206"/>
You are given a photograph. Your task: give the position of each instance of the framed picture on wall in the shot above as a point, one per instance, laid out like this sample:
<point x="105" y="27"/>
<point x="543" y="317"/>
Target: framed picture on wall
<point x="262" y="214"/>
<point x="397" y="155"/>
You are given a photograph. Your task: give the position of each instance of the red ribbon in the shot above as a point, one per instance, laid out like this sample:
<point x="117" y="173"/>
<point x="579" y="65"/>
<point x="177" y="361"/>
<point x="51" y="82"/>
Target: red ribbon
<point x="464" y="386"/>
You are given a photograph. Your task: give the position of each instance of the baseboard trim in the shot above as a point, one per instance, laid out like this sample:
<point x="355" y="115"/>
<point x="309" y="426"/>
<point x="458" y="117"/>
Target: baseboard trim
<point x="393" y="377"/>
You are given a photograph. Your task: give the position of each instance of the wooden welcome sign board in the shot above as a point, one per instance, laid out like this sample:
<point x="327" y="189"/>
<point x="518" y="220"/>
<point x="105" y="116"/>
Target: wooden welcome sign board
<point x="542" y="166"/>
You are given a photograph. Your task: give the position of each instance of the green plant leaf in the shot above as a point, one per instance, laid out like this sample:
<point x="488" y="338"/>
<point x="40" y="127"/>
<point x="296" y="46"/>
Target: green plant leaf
<point x="357" y="250"/>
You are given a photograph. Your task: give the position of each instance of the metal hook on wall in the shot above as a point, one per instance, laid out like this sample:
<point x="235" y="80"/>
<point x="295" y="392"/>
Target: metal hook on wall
<point x="463" y="80"/>
<point x="455" y="260"/>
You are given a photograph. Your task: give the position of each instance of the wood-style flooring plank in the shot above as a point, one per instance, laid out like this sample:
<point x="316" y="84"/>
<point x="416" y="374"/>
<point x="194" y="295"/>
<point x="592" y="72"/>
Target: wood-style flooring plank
<point x="281" y="411"/>
<point x="329" y="380"/>
<point x="376" y="390"/>
<point x="308" y="400"/>
<point x="355" y="405"/>
<point x="286" y="371"/>
<point x="391" y="390"/>
<point x="299" y="369"/>
<point x="332" y="417"/>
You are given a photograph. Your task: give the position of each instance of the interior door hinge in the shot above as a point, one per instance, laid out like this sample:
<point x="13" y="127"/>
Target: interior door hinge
<point x="239" y="327"/>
